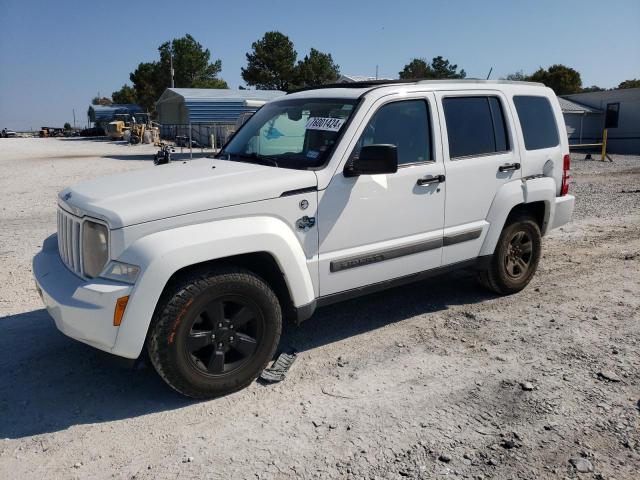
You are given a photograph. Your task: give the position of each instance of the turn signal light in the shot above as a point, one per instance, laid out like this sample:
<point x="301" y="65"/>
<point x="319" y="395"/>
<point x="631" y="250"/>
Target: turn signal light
<point x="118" y="313"/>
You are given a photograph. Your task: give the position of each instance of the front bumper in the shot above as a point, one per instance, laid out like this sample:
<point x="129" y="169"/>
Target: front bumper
<point x="82" y="309"/>
<point x="562" y="211"/>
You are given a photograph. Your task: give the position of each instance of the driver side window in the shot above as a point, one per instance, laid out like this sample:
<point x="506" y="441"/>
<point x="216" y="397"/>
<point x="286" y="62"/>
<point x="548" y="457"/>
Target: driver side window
<point x="404" y="124"/>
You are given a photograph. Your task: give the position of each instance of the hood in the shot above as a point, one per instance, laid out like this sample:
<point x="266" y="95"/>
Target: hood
<point x="180" y="188"/>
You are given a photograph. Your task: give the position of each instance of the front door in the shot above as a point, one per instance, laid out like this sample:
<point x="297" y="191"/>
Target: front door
<point x="374" y="228"/>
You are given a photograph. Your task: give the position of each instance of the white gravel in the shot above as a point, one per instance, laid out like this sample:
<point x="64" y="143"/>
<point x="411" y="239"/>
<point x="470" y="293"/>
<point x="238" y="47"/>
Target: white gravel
<point x="422" y="381"/>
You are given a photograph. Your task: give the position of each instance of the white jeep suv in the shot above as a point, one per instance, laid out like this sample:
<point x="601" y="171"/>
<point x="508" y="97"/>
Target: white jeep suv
<point x="322" y="195"/>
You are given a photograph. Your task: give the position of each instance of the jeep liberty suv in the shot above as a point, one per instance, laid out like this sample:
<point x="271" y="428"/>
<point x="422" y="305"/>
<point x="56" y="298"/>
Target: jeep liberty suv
<point x="322" y="195"/>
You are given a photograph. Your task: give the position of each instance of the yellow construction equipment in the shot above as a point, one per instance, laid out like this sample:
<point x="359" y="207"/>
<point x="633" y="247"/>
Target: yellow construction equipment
<point x="143" y="130"/>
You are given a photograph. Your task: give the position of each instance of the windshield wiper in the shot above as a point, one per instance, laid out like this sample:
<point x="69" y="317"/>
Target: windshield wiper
<point x="253" y="158"/>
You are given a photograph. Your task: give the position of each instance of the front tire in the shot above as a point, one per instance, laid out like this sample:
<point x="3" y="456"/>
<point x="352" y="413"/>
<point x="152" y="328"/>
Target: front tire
<point x="215" y="332"/>
<point x="516" y="257"/>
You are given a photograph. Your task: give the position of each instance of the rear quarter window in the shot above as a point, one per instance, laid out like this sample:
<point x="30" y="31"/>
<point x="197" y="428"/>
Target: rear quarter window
<point x="537" y="121"/>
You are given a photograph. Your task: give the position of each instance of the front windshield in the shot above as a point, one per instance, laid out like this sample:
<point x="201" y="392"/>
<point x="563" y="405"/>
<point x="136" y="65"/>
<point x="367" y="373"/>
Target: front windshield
<point x="298" y="133"/>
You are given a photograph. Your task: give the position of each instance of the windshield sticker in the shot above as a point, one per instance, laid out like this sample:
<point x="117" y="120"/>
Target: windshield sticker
<point x="313" y="154"/>
<point x="327" y="124"/>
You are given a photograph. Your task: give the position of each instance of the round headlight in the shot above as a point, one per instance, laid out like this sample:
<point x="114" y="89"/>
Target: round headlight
<point x="95" y="248"/>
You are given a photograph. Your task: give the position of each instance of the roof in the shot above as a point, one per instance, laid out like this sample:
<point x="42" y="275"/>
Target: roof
<point x="210" y="105"/>
<point x="569" y="106"/>
<point x="600" y="99"/>
<point x="214" y="94"/>
<point x="103" y="113"/>
<point x="357" y="89"/>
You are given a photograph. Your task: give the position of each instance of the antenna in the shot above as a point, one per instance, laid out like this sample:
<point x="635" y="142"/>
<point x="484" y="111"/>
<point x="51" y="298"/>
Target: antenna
<point x="376" y="72"/>
<point x="490" y="70"/>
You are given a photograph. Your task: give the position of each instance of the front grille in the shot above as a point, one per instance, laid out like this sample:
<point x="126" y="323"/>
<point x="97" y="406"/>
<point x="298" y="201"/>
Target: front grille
<point x="69" y="241"/>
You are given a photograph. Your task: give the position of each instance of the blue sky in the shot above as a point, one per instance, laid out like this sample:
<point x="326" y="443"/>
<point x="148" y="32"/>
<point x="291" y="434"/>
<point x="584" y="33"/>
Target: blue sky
<point x="56" y="55"/>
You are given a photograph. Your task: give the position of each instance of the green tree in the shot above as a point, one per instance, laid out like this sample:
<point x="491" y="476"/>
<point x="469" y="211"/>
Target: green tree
<point x="443" y="69"/>
<point x="592" y="88"/>
<point x="67" y="126"/>
<point x="271" y="63"/>
<point x="439" y="68"/>
<point x="148" y="84"/>
<point x="561" y="79"/>
<point x="192" y="69"/>
<point x="635" y="83"/>
<point x="100" y="101"/>
<point x="317" y="68"/>
<point x="518" y="76"/>
<point x="416" y="68"/>
<point x="191" y="63"/>
<point x="126" y="94"/>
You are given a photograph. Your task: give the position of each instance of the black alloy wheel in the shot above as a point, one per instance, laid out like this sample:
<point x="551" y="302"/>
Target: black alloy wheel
<point x="224" y="335"/>
<point x="214" y="331"/>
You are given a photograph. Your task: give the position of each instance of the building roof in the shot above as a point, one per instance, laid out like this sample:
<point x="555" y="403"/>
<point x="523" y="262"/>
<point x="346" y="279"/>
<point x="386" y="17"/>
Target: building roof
<point x="103" y="113"/>
<point x="569" y="106"/>
<point x="217" y="94"/>
<point x="210" y="105"/>
<point x="357" y="78"/>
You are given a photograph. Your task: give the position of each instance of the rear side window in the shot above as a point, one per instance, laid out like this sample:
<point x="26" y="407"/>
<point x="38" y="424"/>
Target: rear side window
<point x="537" y="121"/>
<point x="475" y="126"/>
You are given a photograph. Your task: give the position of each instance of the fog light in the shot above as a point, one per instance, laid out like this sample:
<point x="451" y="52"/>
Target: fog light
<point x="118" y="313"/>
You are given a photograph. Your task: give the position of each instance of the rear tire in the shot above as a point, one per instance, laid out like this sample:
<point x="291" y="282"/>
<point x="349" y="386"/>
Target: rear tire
<point x="215" y="332"/>
<point x="516" y="257"/>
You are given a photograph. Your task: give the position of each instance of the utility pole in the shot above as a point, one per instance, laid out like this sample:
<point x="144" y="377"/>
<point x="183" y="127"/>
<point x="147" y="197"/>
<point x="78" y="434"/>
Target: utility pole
<point x="171" y="64"/>
<point x="74" y="118"/>
<point x="376" y="72"/>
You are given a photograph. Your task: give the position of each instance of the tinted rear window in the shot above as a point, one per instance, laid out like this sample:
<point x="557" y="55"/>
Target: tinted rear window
<point x="537" y="121"/>
<point x="475" y="126"/>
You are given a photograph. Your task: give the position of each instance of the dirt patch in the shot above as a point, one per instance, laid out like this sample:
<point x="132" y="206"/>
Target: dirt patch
<point x="430" y="380"/>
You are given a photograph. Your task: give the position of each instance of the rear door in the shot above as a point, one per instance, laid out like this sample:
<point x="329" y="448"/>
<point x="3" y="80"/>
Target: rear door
<point x="479" y="158"/>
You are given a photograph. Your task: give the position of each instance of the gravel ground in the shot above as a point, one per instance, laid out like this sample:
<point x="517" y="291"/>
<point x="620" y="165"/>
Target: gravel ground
<point x="433" y="380"/>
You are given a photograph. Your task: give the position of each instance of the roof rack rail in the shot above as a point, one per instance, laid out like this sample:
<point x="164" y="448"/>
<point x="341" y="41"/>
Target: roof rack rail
<point x="420" y="81"/>
<point x="362" y="84"/>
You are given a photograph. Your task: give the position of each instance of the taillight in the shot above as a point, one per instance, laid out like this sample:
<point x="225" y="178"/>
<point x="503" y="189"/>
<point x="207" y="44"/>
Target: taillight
<point x="566" y="166"/>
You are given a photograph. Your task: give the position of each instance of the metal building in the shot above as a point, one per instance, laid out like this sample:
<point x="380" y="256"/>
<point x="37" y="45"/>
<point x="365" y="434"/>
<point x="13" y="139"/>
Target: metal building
<point x="103" y="114"/>
<point x="584" y="115"/>
<point x="209" y="105"/>
<point x="206" y="115"/>
<point x="582" y="122"/>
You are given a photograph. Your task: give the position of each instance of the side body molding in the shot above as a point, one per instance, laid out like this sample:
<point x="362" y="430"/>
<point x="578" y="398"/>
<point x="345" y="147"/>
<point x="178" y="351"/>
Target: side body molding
<point x="512" y="194"/>
<point x="163" y="253"/>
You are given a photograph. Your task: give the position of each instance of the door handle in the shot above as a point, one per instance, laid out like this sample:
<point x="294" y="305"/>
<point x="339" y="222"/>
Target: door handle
<point x="509" y="167"/>
<point x="430" y="180"/>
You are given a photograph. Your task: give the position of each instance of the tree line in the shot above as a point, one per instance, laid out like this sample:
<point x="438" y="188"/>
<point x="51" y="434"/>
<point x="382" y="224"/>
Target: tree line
<point x="273" y="64"/>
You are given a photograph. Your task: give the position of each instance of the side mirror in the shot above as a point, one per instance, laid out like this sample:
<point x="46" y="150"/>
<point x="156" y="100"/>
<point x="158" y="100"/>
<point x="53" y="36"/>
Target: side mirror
<point x="374" y="160"/>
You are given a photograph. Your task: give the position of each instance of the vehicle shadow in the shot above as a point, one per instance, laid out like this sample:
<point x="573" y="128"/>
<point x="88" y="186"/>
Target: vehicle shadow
<point x="364" y="314"/>
<point x="49" y="382"/>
